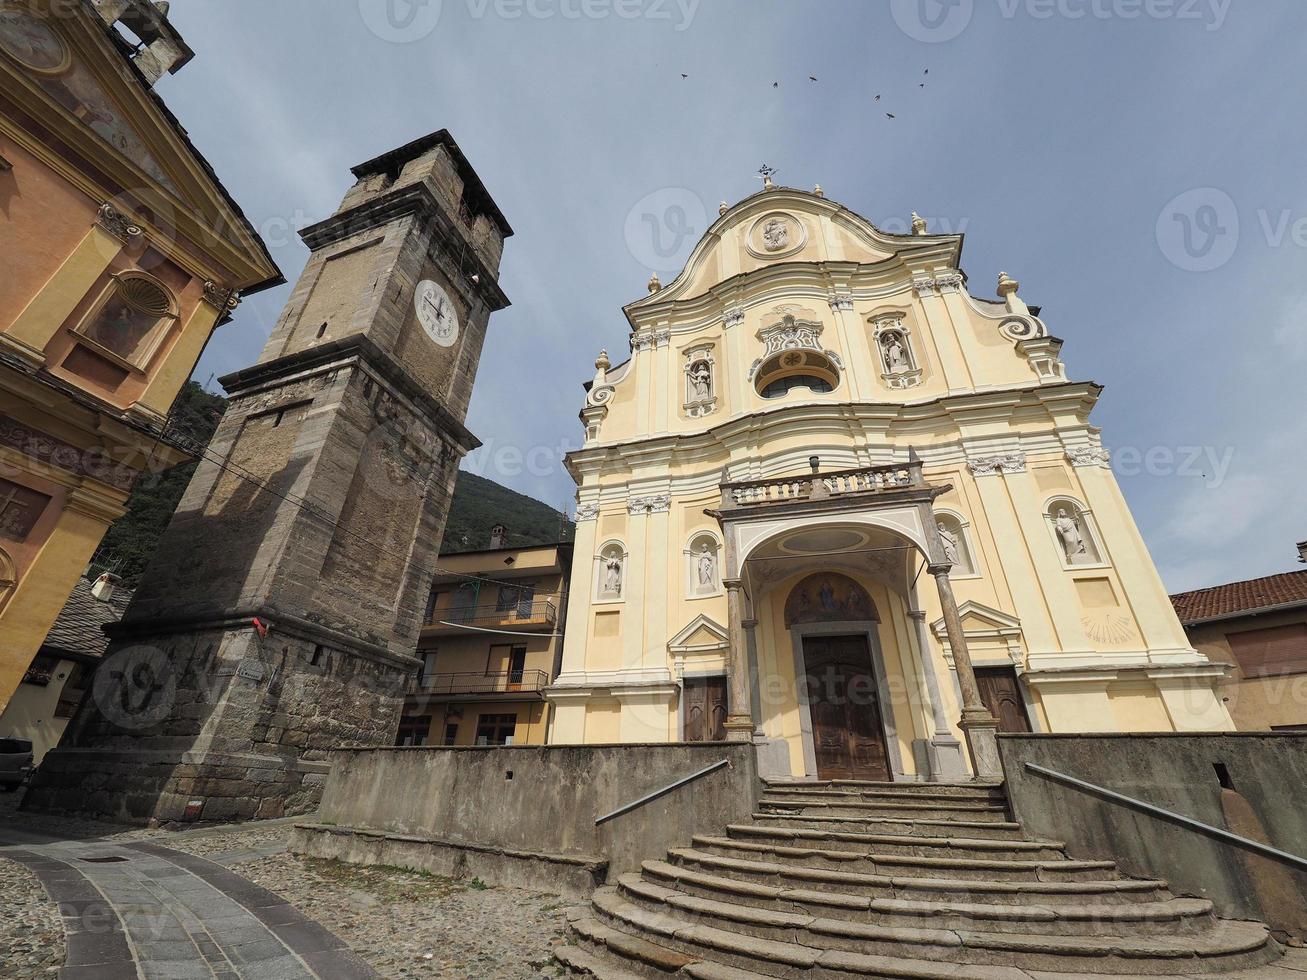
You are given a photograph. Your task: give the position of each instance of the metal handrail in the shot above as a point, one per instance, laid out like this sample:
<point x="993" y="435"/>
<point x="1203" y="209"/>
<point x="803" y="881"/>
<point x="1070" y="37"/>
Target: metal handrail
<point x="1183" y="821"/>
<point x="527" y="611"/>
<point x="477" y="682"/>
<point x="636" y="804"/>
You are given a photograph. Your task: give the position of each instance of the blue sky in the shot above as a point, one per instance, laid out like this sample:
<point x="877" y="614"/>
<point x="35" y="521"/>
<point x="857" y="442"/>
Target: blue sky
<point x="1136" y="164"/>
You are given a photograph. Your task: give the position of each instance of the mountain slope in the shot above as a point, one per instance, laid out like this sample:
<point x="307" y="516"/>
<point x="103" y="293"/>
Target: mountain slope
<point x="479" y="504"/>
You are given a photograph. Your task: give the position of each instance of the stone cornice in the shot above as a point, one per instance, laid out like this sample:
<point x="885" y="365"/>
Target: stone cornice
<point x="954" y="409"/>
<point x="418" y="200"/>
<point x="357" y="347"/>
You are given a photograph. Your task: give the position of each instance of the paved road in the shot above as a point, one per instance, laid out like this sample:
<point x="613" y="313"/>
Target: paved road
<point x="140" y="911"/>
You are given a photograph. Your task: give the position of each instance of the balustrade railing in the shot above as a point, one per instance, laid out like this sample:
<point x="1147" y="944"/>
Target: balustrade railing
<point x="867" y="479"/>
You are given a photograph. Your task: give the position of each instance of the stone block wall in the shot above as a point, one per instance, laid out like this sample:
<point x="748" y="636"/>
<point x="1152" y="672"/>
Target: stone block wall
<point x="1248" y="783"/>
<point x="535" y="803"/>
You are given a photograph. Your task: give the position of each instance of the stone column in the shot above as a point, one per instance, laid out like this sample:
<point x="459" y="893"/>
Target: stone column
<point x="946" y="759"/>
<point x="739" y="716"/>
<point x="980" y="726"/>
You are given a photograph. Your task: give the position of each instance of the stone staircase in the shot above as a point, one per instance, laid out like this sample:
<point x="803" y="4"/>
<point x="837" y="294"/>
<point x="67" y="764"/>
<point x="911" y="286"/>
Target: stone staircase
<point x="904" y="880"/>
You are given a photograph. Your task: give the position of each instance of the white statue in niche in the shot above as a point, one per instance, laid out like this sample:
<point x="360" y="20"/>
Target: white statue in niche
<point x="701" y="381"/>
<point x="950" y="542"/>
<point x="775" y="235"/>
<point x="613" y="574"/>
<point x="1073" y="542"/>
<point x="707" y="566"/>
<point x="896" y="354"/>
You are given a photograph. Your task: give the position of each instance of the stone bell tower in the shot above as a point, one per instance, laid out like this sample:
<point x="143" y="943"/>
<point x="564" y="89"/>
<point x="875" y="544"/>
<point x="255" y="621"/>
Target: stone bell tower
<point x="279" y="617"/>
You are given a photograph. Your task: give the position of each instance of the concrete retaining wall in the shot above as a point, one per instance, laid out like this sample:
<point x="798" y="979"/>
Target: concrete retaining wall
<point x="1265" y="798"/>
<point x="494" y="811"/>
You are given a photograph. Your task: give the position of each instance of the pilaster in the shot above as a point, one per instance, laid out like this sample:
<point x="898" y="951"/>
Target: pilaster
<point x="49" y="309"/>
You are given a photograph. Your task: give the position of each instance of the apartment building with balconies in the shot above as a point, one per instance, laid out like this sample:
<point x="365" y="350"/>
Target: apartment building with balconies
<point x="492" y="642"/>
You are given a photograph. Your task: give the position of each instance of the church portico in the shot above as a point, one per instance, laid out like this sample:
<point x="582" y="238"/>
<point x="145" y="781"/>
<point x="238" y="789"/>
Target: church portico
<point x="827" y="570"/>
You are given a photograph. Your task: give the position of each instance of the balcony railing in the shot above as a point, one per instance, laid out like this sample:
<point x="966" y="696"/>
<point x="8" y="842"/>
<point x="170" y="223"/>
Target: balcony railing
<point x="503" y="682"/>
<point x="528" y="612"/>
<point x="789" y="489"/>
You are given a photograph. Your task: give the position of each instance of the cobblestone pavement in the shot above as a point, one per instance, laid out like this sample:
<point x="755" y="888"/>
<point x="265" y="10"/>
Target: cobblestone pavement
<point x="174" y="885"/>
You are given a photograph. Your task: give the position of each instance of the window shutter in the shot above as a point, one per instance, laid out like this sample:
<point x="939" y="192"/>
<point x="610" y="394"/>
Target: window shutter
<point x="1271" y="651"/>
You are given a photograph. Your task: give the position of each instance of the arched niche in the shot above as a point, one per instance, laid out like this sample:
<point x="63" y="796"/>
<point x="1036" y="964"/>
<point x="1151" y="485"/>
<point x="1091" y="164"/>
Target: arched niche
<point x="703" y="565"/>
<point x="1074" y="532"/>
<point x="956" y="540"/>
<point x="610" y="572"/>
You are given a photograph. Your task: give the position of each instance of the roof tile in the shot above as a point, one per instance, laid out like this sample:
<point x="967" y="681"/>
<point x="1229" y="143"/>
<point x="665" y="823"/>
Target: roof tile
<point x="1235" y="597"/>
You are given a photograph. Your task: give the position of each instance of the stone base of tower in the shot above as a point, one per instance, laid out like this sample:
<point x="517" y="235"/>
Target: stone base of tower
<point x="221" y="724"/>
<point x="157" y="786"/>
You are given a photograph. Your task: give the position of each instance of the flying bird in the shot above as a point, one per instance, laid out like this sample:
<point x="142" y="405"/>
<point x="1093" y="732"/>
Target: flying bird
<point x="812" y="78"/>
<point x="775" y="84"/>
<point x="890" y="115"/>
<point x="684" y="75"/>
<point x="926" y="72"/>
<point x="876" y="99"/>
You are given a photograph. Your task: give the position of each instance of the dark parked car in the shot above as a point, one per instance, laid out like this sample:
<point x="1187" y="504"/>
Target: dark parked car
<point x="15" y="762"/>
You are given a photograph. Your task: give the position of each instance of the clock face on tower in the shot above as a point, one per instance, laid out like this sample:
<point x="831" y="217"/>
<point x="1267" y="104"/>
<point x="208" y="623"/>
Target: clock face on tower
<point x="436" y="313"/>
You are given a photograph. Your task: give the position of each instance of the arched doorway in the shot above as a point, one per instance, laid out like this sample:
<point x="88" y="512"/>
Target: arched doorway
<point x="832" y="620"/>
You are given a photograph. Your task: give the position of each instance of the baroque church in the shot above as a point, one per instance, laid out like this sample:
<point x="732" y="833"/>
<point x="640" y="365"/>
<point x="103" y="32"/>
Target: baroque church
<point x="833" y="503"/>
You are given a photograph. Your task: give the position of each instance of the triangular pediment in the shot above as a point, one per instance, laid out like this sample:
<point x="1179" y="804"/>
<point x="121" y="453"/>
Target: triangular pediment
<point x="979" y="620"/>
<point x="788" y="227"/>
<point x="117" y="143"/>
<point x="701" y="635"/>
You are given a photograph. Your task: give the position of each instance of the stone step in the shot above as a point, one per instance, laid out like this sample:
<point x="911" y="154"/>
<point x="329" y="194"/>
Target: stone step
<point x="1169" y="917"/>
<point x="756" y="957"/>
<point x="927" y="810"/>
<point x="591" y="956"/>
<point x="853" y="842"/>
<point x="861" y="885"/>
<point x="634" y="952"/>
<point x="1228" y="945"/>
<point x="1011" y="868"/>
<point x="948" y="795"/>
<point x="870" y="786"/>
<point x="578" y="961"/>
<point x="989" y="829"/>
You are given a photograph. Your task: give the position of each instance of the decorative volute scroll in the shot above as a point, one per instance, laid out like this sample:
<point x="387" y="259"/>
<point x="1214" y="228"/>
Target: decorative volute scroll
<point x="597" y="399"/>
<point x="220" y="297"/>
<point x="118" y="224"/>
<point x="600" y="391"/>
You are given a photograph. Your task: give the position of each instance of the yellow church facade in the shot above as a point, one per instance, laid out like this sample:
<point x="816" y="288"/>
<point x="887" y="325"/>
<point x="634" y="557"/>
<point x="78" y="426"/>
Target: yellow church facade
<point x="835" y="504"/>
